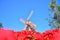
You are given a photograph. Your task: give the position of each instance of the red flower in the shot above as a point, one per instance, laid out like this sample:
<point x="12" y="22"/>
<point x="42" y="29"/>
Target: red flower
<point x="7" y="35"/>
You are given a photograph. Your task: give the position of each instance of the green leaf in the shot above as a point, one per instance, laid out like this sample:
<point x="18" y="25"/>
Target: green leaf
<point x="58" y="7"/>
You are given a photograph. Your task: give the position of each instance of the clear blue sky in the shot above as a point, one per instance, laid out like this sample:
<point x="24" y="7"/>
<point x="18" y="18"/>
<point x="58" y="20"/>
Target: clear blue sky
<point x="12" y="10"/>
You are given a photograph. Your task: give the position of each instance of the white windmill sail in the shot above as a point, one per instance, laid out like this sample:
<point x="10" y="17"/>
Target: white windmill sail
<point x="30" y="15"/>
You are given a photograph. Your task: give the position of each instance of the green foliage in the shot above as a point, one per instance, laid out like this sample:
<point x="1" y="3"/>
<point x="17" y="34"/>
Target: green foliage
<point x="55" y="15"/>
<point x="55" y="23"/>
<point x="1" y="25"/>
<point x="53" y="1"/>
<point x="52" y="5"/>
<point x="58" y="7"/>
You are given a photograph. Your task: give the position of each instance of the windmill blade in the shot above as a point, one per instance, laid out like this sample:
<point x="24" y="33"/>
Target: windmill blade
<point x="30" y="15"/>
<point x="22" y="20"/>
<point x="24" y="28"/>
<point x="34" y="26"/>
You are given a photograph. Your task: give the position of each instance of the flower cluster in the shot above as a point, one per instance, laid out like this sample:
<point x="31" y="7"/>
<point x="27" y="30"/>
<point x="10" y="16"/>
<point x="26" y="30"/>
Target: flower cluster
<point x="29" y="35"/>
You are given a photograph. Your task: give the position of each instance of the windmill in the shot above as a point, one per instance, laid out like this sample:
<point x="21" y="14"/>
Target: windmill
<point x="28" y="24"/>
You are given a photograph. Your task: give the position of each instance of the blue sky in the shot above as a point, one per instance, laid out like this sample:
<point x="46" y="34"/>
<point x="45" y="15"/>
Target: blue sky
<point x="12" y="10"/>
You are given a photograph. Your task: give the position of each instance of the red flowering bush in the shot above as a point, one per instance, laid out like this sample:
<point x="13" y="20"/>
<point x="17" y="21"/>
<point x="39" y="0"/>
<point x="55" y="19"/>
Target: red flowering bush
<point x="51" y="35"/>
<point x="29" y="35"/>
<point x="23" y="35"/>
<point x="7" y="35"/>
<point x="56" y="34"/>
<point x="48" y="35"/>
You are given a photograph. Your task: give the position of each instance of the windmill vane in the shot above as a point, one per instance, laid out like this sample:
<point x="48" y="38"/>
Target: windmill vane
<point x="28" y="24"/>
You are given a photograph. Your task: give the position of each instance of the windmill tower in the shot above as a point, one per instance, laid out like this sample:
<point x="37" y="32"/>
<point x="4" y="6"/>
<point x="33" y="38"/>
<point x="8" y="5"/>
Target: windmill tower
<point x="28" y="24"/>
